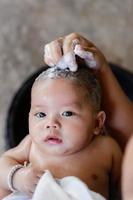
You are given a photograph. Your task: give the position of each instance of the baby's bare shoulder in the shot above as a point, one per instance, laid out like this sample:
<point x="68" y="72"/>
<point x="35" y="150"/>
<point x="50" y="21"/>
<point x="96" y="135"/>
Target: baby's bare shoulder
<point x="111" y="153"/>
<point x="107" y="143"/>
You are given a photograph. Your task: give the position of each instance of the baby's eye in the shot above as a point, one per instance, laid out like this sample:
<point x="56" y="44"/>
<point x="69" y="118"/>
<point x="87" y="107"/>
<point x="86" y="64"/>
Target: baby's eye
<point x="40" y="114"/>
<point x="67" y="113"/>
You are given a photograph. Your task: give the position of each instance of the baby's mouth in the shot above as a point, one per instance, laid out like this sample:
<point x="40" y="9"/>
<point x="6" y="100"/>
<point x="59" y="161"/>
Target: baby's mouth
<point x="53" y="140"/>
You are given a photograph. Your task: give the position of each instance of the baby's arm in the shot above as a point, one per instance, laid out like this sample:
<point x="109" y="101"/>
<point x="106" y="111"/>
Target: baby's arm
<point x="118" y="107"/>
<point x="12" y="157"/>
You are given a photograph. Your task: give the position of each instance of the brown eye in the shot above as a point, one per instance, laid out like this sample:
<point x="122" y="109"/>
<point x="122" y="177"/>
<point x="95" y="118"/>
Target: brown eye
<point x="40" y="114"/>
<point x="67" y="113"/>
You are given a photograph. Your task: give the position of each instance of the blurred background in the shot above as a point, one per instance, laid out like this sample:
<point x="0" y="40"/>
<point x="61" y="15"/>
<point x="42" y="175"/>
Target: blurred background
<point x="25" y="26"/>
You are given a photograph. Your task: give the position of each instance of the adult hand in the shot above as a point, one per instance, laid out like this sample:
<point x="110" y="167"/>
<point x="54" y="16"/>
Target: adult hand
<point x="62" y="52"/>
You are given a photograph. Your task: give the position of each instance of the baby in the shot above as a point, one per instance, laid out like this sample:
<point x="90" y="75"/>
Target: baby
<point x="66" y="135"/>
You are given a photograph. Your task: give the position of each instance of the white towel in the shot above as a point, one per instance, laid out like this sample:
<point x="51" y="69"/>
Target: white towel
<point x="67" y="188"/>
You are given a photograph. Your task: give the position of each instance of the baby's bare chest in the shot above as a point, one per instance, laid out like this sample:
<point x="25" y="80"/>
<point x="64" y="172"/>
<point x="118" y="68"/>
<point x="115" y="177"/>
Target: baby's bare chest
<point x="92" y="168"/>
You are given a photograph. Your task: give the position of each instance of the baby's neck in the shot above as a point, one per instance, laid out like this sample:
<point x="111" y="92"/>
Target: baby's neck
<point x="42" y="161"/>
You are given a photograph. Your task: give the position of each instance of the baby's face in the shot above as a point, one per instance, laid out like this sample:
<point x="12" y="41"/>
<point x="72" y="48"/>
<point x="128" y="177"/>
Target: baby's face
<point x="61" y="120"/>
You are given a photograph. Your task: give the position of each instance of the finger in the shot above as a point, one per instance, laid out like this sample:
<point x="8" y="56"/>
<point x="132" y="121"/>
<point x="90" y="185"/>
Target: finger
<point x="47" y="56"/>
<point x="35" y="183"/>
<point x="68" y="61"/>
<point x="72" y="40"/>
<point x="39" y="175"/>
<point x="75" y="42"/>
<point x="53" y="52"/>
<point x="69" y="42"/>
<point x="30" y="193"/>
<point x="71" y="60"/>
<point x="32" y="189"/>
<point x="88" y="56"/>
<point x="56" y="50"/>
<point x="82" y="53"/>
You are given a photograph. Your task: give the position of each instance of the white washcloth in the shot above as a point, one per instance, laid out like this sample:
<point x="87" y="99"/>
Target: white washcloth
<point x="67" y="188"/>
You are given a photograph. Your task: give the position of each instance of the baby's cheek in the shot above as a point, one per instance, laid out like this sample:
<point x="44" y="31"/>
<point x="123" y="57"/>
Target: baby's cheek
<point x="33" y="128"/>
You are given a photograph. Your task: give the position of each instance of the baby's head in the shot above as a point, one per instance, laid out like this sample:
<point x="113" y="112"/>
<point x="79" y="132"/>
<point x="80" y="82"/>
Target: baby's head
<point x="83" y="79"/>
<point x="65" y="110"/>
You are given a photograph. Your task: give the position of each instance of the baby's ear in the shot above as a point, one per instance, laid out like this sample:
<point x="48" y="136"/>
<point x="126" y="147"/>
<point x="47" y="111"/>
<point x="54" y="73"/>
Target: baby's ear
<point x="100" y="119"/>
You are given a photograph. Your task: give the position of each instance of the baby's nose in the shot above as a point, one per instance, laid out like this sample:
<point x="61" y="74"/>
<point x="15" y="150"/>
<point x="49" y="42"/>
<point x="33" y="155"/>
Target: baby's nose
<point x="48" y="126"/>
<point x="52" y="124"/>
